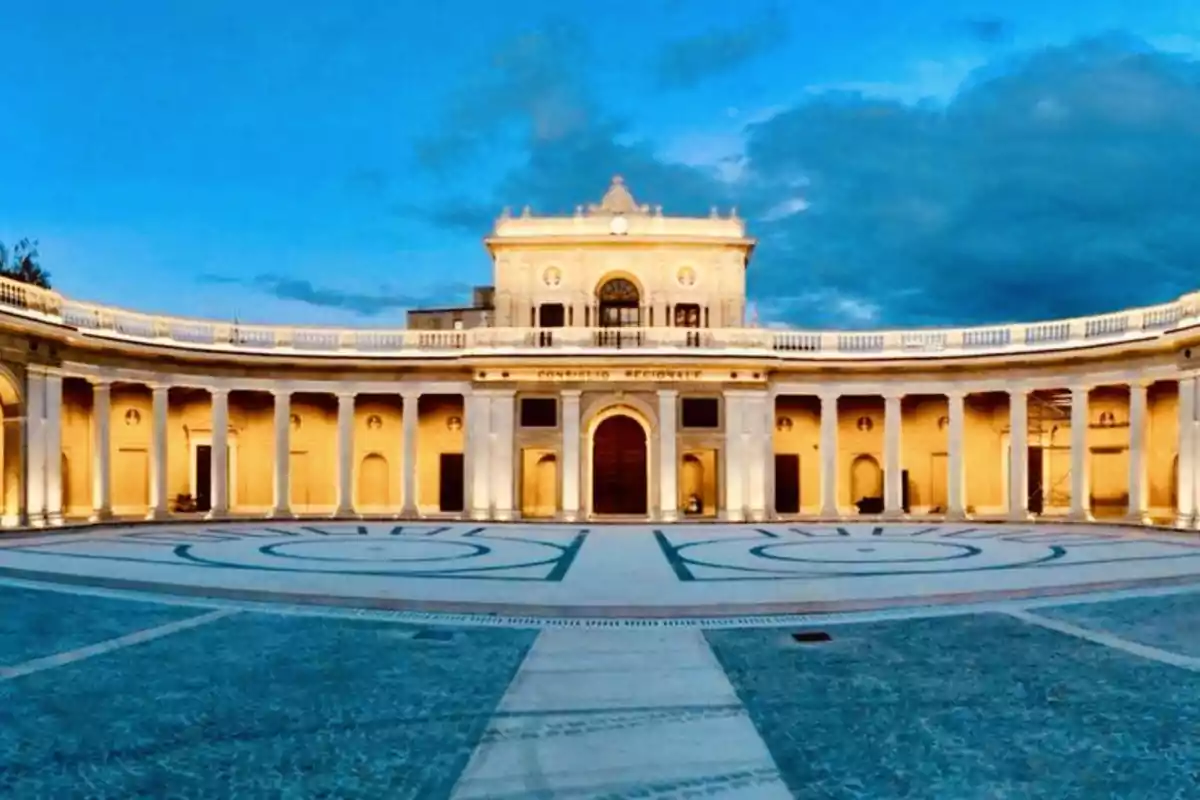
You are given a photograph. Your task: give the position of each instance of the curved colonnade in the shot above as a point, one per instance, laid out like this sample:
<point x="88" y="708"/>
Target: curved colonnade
<point x="114" y="414"/>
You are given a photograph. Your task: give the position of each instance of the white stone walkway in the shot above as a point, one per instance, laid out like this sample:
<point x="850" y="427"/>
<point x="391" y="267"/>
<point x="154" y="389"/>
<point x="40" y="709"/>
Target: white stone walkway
<point x="610" y="713"/>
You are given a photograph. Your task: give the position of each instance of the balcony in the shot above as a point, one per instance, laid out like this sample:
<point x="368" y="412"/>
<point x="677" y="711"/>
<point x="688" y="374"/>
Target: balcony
<point x="118" y="325"/>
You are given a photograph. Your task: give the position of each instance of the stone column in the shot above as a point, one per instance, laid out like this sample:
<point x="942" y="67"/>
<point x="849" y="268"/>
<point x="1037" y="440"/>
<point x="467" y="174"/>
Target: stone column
<point x="893" y="497"/>
<point x="159" y="405"/>
<point x="220" y="452"/>
<point x="101" y="450"/>
<point x="1081" y="505"/>
<point x="53" y="433"/>
<point x="411" y="416"/>
<point x="1186" y="491"/>
<point x="570" y="454"/>
<point x="501" y="464"/>
<point x="755" y="444"/>
<point x="478" y="454"/>
<point x="1018" y="454"/>
<point x="955" y="478"/>
<point x="345" y="455"/>
<point x="1138" y="511"/>
<point x="35" y="447"/>
<point x="668" y="458"/>
<point x="734" y="507"/>
<point x="829" y="455"/>
<point x="281" y="491"/>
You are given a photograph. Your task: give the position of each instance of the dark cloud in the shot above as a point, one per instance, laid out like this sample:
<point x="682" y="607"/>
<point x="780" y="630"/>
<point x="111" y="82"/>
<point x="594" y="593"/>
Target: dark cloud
<point x="1067" y="185"/>
<point x="1065" y="182"/>
<point x="363" y="304"/>
<point x="686" y="62"/>
<point x="988" y="30"/>
<point x="532" y="88"/>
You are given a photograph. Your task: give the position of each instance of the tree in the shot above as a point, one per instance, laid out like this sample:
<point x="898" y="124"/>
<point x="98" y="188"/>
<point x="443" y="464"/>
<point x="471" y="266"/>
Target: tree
<point x="21" y="264"/>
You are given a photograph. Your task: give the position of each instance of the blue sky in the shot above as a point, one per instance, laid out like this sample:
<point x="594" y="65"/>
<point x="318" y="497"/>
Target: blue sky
<point x="902" y="163"/>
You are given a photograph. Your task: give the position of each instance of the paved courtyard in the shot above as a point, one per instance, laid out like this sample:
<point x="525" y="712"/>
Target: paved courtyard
<point x="380" y="660"/>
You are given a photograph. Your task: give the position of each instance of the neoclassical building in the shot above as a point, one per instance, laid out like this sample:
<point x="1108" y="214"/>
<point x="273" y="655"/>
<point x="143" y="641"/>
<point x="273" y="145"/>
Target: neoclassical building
<point x="613" y="376"/>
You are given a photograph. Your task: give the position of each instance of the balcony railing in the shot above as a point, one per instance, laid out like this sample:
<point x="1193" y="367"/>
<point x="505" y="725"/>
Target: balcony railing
<point x="21" y="300"/>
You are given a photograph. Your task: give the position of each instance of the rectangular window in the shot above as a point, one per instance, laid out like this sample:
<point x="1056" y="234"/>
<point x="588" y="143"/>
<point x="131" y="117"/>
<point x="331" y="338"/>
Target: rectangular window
<point x="687" y="315"/>
<point x="539" y="412"/>
<point x="701" y="412"/>
<point x="553" y="315"/>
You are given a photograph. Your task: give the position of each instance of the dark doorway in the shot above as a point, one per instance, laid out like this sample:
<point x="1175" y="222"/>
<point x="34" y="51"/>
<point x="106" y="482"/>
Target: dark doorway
<point x="787" y="483"/>
<point x="553" y="315"/>
<point x="1037" y="491"/>
<point x="619" y="467"/>
<point x="450" y="482"/>
<point x="203" y="477"/>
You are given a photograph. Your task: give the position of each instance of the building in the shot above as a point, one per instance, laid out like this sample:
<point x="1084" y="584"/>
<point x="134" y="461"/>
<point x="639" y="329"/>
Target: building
<point x="616" y="378"/>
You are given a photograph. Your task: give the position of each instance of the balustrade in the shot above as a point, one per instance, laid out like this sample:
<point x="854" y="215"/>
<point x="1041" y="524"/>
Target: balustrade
<point x="21" y="300"/>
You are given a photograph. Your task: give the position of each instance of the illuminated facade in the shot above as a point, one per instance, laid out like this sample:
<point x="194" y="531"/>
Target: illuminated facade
<point x="615" y="378"/>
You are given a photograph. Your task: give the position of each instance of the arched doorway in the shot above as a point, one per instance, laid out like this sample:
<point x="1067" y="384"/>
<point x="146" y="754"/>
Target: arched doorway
<point x="373" y="482"/>
<point x="620" y="304"/>
<point x="866" y="479"/>
<point x="619" y="483"/>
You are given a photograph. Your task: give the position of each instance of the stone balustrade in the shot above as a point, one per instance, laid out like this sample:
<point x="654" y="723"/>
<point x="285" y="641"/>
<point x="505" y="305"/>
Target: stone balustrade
<point x="21" y="300"/>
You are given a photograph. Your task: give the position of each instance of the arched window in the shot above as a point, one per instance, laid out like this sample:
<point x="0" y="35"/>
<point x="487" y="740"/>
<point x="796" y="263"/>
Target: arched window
<point x="620" y="304"/>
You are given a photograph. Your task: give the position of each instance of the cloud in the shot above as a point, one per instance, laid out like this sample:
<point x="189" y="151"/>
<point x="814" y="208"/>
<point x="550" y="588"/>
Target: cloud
<point x="1039" y="192"/>
<point x="361" y="303"/>
<point x="530" y="88"/>
<point x="688" y="61"/>
<point x="1058" y="183"/>
<point x="986" y="30"/>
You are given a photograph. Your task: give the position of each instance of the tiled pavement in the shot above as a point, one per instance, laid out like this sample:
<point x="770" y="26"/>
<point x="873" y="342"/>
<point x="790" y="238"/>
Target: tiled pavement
<point x="256" y="704"/>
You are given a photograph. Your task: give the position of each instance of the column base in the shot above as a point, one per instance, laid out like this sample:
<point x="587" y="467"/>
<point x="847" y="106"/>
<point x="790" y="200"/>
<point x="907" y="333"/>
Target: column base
<point x="571" y="516"/>
<point x="280" y="513"/>
<point x="1137" y="518"/>
<point x="1020" y="516"/>
<point x="757" y="515"/>
<point x="829" y="513"/>
<point x="156" y="515"/>
<point x="1080" y="516"/>
<point x="893" y="515"/>
<point x="732" y="516"/>
<point x="54" y="520"/>
<point x="101" y="515"/>
<point x="668" y="515"/>
<point x="344" y="513"/>
<point x="1185" y="522"/>
<point x="409" y="512"/>
<point x="217" y="513"/>
<point x="955" y="515"/>
<point x="479" y="515"/>
<point x="503" y="515"/>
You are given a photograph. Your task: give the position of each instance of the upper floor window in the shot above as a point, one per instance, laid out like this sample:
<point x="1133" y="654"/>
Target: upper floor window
<point x="620" y="304"/>
<point x="687" y="315"/>
<point x="539" y="412"/>
<point x="552" y="315"/>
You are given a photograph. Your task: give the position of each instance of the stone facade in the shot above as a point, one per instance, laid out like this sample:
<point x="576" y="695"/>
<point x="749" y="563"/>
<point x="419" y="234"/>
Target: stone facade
<point x="618" y="376"/>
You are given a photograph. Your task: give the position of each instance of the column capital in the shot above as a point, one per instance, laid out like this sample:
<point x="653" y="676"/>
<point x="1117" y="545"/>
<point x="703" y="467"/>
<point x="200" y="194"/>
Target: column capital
<point x="668" y="393"/>
<point x="1140" y="383"/>
<point x="346" y="394"/>
<point x="100" y="381"/>
<point x="285" y="392"/>
<point x="829" y="396"/>
<point x="573" y="394"/>
<point x="159" y="388"/>
<point x="1080" y="388"/>
<point x="218" y="391"/>
<point x="414" y="394"/>
<point x="956" y="393"/>
<point x="893" y="395"/>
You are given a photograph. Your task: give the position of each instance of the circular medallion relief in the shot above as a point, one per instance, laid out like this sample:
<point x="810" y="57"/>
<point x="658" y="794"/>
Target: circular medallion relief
<point x="552" y="276"/>
<point x="686" y="276"/>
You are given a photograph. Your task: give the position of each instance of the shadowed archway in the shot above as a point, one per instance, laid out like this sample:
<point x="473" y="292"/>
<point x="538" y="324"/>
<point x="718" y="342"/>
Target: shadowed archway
<point x="619" y="457"/>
